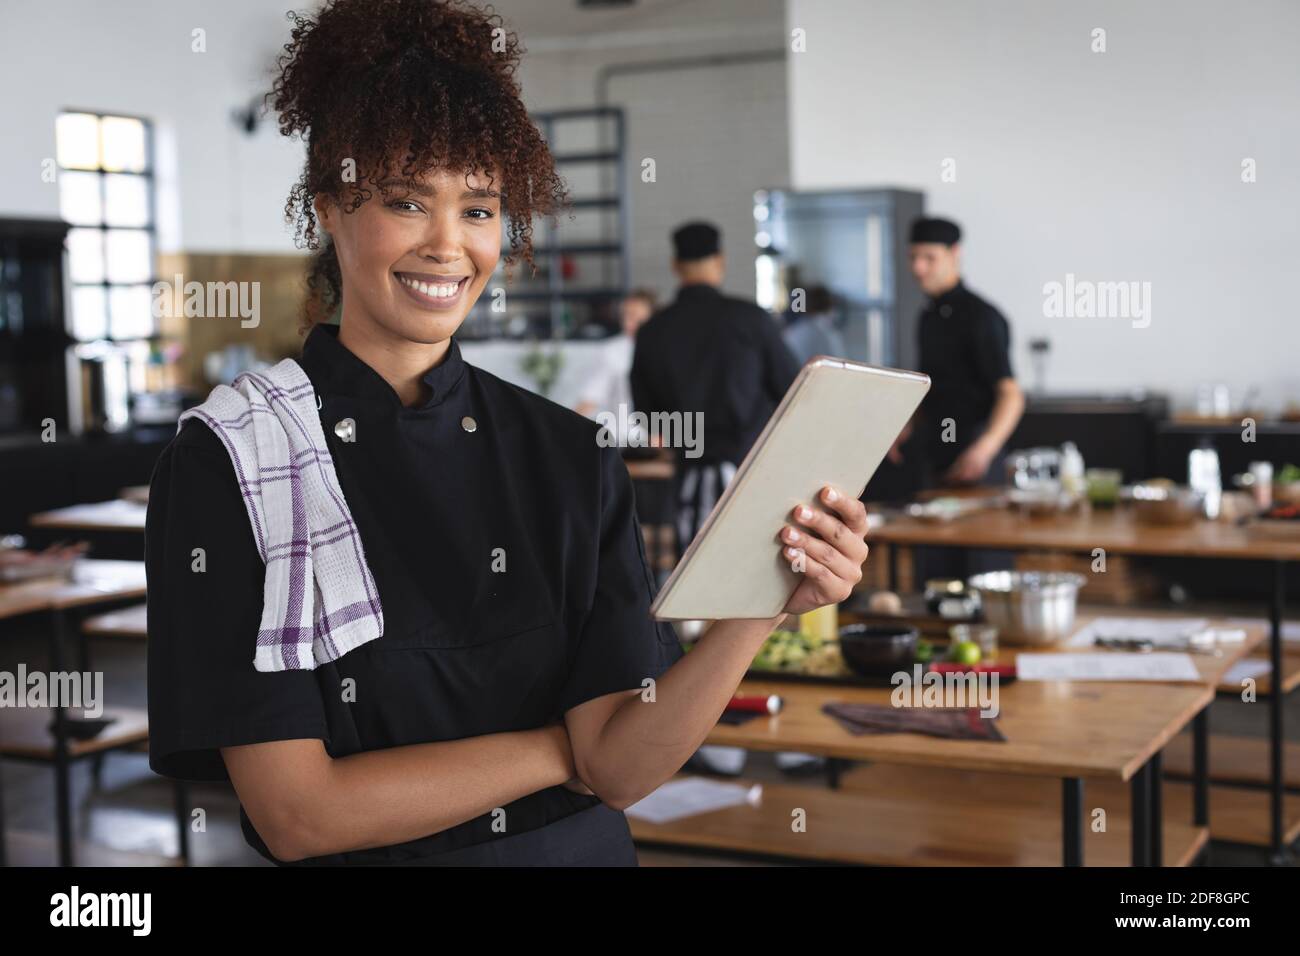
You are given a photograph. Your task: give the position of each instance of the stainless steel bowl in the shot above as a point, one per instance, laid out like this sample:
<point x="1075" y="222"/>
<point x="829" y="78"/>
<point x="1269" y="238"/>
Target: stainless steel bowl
<point x="1031" y="607"/>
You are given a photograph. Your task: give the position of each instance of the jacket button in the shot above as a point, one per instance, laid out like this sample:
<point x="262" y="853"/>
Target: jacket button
<point x="345" y="429"/>
<point x="468" y="424"/>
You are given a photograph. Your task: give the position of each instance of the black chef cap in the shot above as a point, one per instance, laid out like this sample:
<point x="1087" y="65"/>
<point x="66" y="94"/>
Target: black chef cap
<point x="935" y="230"/>
<point x="696" y="240"/>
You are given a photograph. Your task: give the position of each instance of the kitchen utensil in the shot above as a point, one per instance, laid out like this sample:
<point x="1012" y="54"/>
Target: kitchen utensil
<point x="1165" y="504"/>
<point x="950" y="598"/>
<point x="1030" y="607"/>
<point x="878" y="650"/>
<point x="1034" y="468"/>
<point x="1042" y="502"/>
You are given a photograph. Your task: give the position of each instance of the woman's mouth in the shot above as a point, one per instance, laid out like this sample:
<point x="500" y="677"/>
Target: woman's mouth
<point x="432" y="292"/>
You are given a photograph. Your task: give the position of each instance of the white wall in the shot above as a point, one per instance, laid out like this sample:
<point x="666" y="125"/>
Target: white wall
<point x="221" y="190"/>
<point x="1123" y="165"/>
<point x="716" y="133"/>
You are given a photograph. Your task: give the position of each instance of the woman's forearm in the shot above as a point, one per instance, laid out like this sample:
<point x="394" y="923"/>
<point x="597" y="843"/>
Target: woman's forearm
<point x="644" y="743"/>
<point x="381" y="797"/>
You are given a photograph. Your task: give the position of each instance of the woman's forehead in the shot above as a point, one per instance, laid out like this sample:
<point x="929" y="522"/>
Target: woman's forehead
<point x="441" y="180"/>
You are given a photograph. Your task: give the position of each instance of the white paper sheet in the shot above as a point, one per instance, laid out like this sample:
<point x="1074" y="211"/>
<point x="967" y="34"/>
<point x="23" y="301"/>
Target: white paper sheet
<point x="1247" y="667"/>
<point x="689" y="797"/>
<point x="1160" y="631"/>
<point x="1156" y="666"/>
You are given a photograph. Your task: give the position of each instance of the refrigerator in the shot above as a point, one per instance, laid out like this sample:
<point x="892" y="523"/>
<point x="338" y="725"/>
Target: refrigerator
<point x="854" y="242"/>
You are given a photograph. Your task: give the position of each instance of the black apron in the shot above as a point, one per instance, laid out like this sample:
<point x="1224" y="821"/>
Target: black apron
<point x="597" y="836"/>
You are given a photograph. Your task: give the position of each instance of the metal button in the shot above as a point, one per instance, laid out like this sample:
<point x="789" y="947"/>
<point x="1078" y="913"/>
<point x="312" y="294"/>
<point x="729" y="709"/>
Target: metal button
<point x="468" y="424"/>
<point x="345" y="429"/>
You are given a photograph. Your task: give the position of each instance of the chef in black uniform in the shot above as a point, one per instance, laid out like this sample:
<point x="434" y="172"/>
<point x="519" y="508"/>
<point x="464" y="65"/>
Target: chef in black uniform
<point x="715" y="354"/>
<point x="974" y="402"/>
<point x="520" y="696"/>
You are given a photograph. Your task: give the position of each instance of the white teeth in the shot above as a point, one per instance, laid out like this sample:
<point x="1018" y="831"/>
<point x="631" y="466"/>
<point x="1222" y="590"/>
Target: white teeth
<point x="434" y="290"/>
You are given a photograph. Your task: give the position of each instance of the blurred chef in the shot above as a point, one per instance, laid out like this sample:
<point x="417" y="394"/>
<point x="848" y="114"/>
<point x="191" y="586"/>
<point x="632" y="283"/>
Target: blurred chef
<point x="811" y="331"/>
<point x="974" y="402"/>
<point x="710" y="353"/>
<point x="607" y="385"/>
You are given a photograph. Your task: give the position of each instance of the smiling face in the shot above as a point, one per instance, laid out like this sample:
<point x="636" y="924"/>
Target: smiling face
<point x="413" y="262"/>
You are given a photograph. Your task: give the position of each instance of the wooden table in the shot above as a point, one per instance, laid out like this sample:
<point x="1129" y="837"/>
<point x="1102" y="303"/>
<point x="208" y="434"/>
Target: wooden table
<point x="118" y="514"/>
<point x="1116" y="531"/>
<point x="1043" y="725"/>
<point x="1074" y="731"/>
<point x="92" y="582"/>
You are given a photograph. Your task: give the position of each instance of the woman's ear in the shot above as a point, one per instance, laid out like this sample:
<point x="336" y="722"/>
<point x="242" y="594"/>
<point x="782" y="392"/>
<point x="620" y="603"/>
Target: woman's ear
<point x="324" y="208"/>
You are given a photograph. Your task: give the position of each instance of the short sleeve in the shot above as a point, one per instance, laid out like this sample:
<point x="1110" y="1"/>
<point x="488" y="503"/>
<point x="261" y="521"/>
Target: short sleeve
<point x="204" y="692"/>
<point x="620" y="644"/>
<point x="992" y="346"/>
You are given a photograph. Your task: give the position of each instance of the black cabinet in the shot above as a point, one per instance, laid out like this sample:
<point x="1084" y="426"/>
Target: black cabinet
<point x="33" y="336"/>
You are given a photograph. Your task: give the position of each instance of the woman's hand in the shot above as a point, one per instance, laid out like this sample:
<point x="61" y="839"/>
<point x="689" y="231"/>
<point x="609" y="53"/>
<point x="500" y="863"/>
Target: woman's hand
<point x="828" y="549"/>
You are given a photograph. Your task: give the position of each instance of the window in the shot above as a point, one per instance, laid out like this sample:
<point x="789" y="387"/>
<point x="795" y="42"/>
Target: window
<point x="106" y="194"/>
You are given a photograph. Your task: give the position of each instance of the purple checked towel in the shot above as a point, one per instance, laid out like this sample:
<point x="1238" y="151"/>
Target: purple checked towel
<point x="320" y="600"/>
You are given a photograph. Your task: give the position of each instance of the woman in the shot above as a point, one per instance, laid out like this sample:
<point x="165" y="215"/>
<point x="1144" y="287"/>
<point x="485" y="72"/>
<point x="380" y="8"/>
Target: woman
<point x="520" y="696"/>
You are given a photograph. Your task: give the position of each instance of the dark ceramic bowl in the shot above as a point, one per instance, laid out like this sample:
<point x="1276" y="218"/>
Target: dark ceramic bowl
<point x="878" y="650"/>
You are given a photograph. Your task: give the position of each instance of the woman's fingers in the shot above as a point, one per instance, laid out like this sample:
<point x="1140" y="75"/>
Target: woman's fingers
<point x="851" y="511"/>
<point x="830" y="587"/>
<point x="834" y="531"/>
<point x="839" y="563"/>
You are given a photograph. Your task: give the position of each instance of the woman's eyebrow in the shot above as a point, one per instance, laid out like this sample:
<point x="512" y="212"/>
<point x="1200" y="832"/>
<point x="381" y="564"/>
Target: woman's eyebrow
<point x="481" y="192"/>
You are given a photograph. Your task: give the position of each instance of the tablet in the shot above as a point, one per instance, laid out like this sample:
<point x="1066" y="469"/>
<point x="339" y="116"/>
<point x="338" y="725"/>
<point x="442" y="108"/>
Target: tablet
<point x="834" y="426"/>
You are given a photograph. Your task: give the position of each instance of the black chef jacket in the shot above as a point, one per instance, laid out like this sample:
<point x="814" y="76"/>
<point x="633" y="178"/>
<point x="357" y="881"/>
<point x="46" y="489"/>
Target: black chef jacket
<point x="965" y="349"/>
<point x="711" y="353"/>
<point x="466" y="650"/>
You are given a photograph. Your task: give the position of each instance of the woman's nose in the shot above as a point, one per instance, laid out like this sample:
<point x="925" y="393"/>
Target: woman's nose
<point x="441" y="243"/>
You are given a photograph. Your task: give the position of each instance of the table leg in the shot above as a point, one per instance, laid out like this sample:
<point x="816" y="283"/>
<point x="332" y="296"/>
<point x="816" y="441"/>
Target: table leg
<point x="1280" y="854"/>
<point x="1156" y="820"/>
<point x="1201" y="768"/>
<point x="181" y="791"/>
<point x="1140" y="812"/>
<point x="835" y="767"/>
<point x="62" y="763"/>
<point x="1072" y="821"/>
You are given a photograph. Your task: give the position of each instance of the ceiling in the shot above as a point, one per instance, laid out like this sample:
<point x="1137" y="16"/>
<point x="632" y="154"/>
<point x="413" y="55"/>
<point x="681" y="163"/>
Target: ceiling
<point x="562" y="20"/>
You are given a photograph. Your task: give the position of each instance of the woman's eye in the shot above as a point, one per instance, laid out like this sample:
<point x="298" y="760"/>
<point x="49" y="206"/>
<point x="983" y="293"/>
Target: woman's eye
<point x="404" y="202"/>
<point x="479" y="213"/>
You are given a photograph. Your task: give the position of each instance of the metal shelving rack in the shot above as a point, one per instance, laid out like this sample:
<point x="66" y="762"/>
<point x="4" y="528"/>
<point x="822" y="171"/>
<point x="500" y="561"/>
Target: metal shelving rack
<point x="612" y="164"/>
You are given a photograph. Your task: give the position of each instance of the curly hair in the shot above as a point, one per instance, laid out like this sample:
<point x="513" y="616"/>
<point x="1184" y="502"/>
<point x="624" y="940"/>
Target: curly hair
<point x="392" y="89"/>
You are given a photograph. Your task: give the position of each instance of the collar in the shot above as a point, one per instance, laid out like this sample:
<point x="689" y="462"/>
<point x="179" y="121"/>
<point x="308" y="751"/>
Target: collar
<point x="333" y="368"/>
<point x="696" y="290"/>
<point x="952" y="295"/>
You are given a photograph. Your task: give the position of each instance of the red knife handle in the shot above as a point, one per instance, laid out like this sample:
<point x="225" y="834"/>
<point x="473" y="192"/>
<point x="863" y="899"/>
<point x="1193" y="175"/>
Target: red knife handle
<point x="756" y="705"/>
